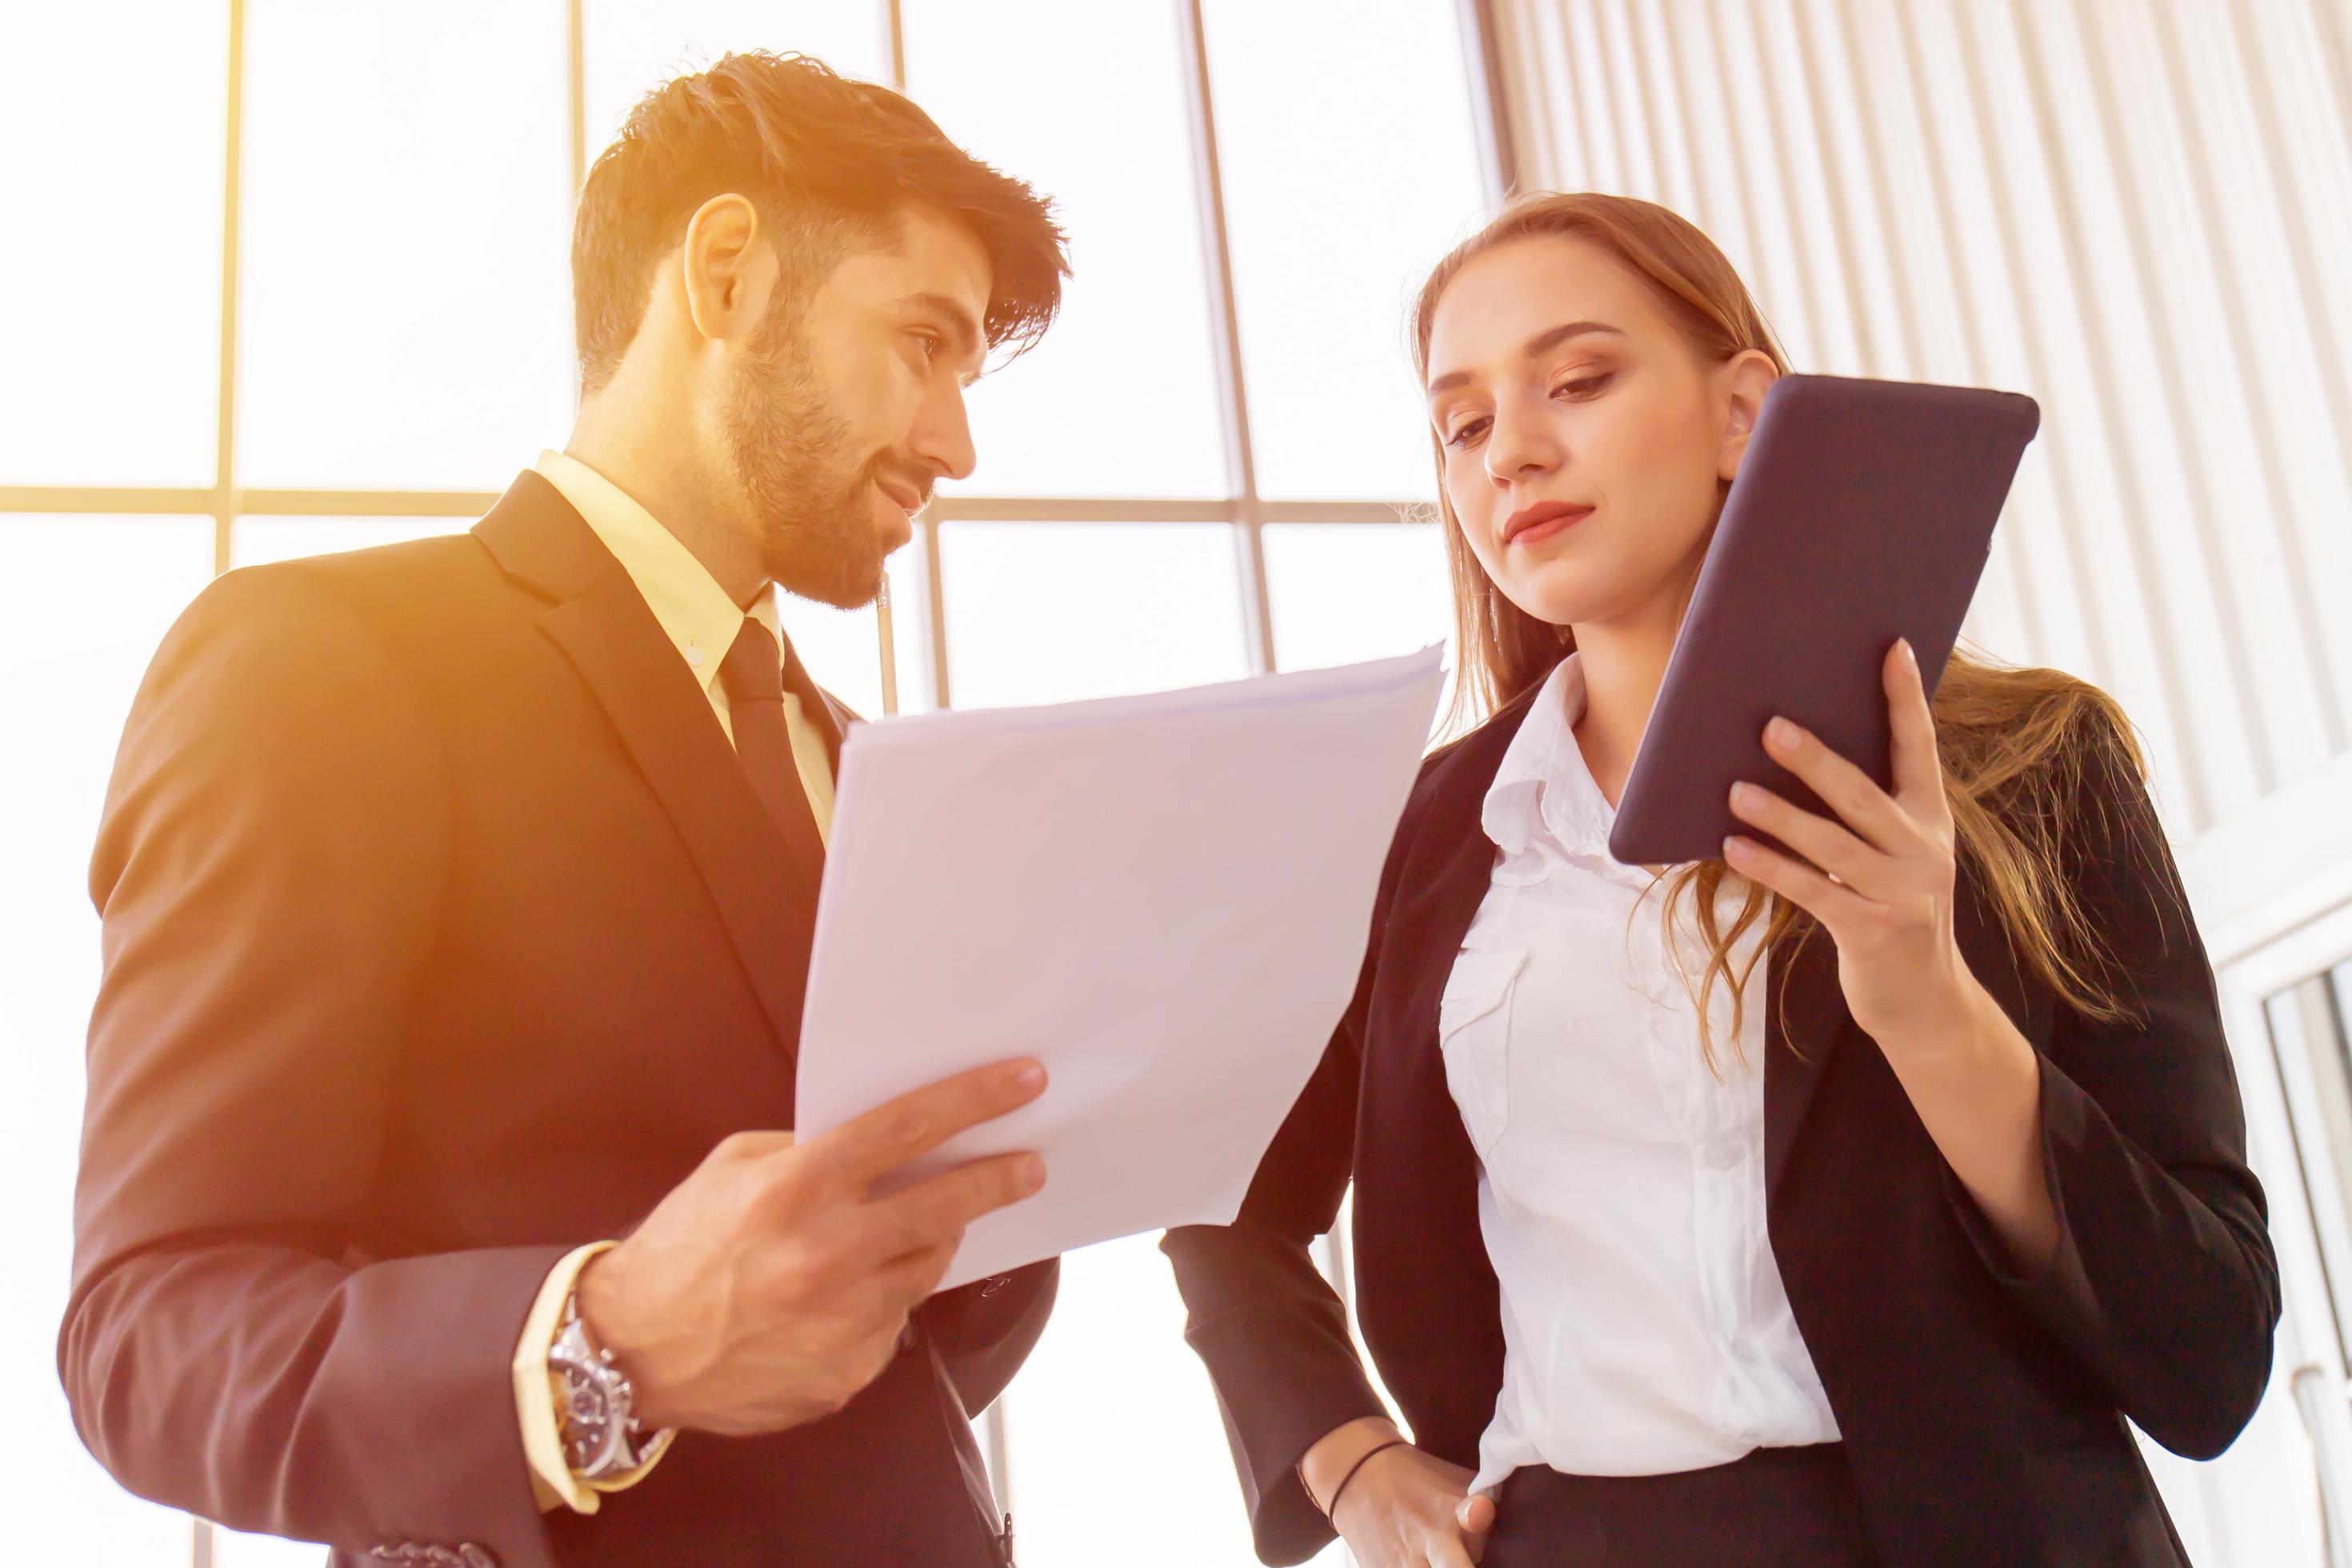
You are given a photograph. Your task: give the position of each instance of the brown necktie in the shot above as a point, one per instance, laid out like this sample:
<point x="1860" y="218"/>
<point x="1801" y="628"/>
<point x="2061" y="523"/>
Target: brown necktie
<point x="752" y="675"/>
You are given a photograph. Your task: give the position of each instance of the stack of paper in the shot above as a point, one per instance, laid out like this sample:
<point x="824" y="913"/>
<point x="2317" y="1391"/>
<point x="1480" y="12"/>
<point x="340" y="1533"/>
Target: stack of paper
<point x="1164" y="898"/>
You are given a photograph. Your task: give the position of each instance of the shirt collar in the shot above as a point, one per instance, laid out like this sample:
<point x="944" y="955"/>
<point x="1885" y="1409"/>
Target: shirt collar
<point x="1543" y="795"/>
<point x="694" y="613"/>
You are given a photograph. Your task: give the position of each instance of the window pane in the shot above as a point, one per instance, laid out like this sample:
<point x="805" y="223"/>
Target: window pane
<point x="1113" y="1359"/>
<point x="82" y="605"/>
<point x="843" y="649"/>
<point x="231" y="1550"/>
<point x="1049" y="612"/>
<point x="1344" y="592"/>
<point x="1349" y="167"/>
<point x="111" y="274"/>
<point x="1085" y="101"/>
<point x="255" y="539"/>
<point x="633" y="47"/>
<point x="1112" y="1431"/>
<point x="2310" y="1032"/>
<point x="405" y="308"/>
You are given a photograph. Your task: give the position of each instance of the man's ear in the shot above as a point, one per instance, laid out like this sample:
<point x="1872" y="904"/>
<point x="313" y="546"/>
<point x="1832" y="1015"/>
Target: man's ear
<point x="1746" y="378"/>
<point x="729" y="268"/>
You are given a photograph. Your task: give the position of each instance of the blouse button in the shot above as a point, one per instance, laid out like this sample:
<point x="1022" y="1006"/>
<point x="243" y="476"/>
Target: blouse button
<point x="1723" y="1153"/>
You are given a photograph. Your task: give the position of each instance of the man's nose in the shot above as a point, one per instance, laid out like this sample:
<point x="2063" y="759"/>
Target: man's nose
<point x="942" y="437"/>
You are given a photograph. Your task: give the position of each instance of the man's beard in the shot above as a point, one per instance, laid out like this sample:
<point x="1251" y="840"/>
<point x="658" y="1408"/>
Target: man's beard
<point x="811" y="499"/>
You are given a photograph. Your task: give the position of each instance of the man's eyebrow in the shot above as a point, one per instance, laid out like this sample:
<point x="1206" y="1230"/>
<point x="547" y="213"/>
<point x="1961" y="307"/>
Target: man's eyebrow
<point x="959" y="320"/>
<point x="1542" y="342"/>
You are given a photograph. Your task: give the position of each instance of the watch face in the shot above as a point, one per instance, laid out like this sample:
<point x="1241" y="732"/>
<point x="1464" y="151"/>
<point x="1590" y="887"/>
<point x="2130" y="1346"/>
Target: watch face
<point x="587" y="1421"/>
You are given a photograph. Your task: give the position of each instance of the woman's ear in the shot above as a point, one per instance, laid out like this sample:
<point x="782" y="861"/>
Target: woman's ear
<point x="1745" y="377"/>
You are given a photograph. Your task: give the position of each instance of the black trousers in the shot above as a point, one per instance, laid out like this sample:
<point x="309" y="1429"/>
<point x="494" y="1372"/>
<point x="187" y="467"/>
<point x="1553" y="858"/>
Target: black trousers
<point x="1776" y="1508"/>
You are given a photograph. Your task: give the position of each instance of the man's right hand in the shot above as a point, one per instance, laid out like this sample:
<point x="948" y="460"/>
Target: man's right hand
<point x="771" y="1286"/>
<point x="1402" y="1508"/>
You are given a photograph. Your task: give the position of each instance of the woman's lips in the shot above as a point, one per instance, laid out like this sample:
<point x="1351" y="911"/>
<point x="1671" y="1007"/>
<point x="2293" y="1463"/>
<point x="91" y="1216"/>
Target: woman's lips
<point x="1537" y="524"/>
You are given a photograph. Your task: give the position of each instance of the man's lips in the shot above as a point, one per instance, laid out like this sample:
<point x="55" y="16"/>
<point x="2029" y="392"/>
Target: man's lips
<point x="1529" y="524"/>
<point x="904" y="495"/>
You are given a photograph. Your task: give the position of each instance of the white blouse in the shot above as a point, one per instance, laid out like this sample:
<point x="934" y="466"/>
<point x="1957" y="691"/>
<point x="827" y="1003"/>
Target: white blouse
<point x="1645" y="1329"/>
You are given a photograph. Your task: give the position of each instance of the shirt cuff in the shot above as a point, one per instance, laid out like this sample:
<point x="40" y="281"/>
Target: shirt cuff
<point x="551" y="1480"/>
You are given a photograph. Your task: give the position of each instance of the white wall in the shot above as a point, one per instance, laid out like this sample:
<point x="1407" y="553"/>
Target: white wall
<point x="2139" y="212"/>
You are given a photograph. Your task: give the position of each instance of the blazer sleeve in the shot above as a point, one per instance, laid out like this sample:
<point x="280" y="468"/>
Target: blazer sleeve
<point x="2164" y="1284"/>
<point x="1270" y="1328"/>
<point x="986" y="1330"/>
<point x="271" y="859"/>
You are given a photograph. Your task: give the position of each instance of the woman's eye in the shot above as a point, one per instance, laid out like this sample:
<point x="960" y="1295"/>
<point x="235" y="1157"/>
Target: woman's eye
<point x="1468" y="431"/>
<point x="1584" y="385"/>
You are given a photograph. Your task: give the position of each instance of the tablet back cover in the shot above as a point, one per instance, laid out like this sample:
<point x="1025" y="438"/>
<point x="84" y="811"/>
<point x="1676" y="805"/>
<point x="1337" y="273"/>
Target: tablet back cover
<point x="1863" y="512"/>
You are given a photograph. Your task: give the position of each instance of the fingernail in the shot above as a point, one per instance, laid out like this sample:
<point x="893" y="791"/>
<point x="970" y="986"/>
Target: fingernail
<point x="1910" y="654"/>
<point x="1735" y="848"/>
<point x="1032" y="1173"/>
<point x="1743" y="796"/>
<point x="1029" y="1075"/>
<point x="1780" y="732"/>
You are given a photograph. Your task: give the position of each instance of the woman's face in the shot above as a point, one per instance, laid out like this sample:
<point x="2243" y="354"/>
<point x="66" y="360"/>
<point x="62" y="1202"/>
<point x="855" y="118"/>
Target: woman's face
<point x="1585" y="440"/>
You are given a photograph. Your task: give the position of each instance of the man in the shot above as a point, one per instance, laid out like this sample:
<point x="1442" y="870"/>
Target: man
<point x="457" y="905"/>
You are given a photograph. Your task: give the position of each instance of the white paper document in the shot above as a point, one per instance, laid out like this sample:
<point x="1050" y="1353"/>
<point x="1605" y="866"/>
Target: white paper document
<point x="1164" y="898"/>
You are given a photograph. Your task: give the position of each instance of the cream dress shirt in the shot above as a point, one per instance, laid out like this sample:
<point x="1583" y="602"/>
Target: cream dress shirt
<point x="1622" y="1195"/>
<point x="701" y="623"/>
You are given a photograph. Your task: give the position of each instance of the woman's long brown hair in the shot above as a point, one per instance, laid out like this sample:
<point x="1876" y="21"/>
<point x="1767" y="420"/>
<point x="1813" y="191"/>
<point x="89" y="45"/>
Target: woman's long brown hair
<point x="2012" y="742"/>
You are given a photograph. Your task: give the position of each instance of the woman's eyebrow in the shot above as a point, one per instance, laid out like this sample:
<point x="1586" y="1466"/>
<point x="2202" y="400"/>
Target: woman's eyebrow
<point x="1542" y="342"/>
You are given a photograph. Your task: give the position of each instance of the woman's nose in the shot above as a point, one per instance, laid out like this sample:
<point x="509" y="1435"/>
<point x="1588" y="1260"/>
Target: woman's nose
<point x="1518" y="447"/>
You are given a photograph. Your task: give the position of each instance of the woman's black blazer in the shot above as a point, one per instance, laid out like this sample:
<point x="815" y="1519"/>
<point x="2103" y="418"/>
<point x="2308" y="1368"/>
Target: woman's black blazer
<point x="1984" y="1410"/>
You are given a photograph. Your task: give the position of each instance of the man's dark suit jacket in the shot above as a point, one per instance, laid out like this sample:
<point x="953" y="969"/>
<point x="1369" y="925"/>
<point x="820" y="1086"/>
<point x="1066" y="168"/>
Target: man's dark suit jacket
<point x="1982" y="1410"/>
<point x="444" y="932"/>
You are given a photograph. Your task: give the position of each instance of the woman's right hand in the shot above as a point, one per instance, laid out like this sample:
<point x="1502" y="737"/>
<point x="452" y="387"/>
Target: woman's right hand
<point x="1404" y="1508"/>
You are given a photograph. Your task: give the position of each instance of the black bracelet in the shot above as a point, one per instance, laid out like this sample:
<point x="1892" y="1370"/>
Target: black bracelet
<point x="1331" y="1510"/>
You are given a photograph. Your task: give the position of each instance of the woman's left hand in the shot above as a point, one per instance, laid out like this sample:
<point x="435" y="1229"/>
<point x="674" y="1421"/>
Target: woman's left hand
<point x="1880" y="879"/>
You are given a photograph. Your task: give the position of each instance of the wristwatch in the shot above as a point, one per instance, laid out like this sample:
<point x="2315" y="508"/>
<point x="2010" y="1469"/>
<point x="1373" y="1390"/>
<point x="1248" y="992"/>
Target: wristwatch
<point x="603" y="1439"/>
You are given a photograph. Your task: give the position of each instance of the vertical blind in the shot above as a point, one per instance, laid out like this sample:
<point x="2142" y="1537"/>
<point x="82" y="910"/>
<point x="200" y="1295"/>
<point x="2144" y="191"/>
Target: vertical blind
<point x="2135" y="210"/>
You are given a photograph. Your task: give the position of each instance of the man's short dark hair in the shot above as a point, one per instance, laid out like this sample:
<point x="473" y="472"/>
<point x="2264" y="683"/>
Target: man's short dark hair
<point x="829" y="161"/>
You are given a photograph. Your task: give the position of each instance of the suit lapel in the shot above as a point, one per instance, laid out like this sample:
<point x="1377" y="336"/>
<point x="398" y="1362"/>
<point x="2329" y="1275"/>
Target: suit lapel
<point x="1806" y="1020"/>
<point x="1446" y="872"/>
<point x="1444" y="879"/>
<point x="1809" y="1023"/>
<point x="764" y="892"/>
<point x="1425" y="1262"/>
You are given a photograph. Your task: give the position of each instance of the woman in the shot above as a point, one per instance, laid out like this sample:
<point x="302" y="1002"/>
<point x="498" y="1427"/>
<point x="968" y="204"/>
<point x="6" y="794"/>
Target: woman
<point x="1824" y="1210"/>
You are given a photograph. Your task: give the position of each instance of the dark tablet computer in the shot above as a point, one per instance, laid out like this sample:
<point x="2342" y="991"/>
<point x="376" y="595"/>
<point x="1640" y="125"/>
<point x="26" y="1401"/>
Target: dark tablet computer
<point x="1862" y="513"/>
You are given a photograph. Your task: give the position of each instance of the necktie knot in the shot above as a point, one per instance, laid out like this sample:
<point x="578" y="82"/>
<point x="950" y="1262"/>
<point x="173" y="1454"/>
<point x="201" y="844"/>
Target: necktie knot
<point x="753" y="669"/>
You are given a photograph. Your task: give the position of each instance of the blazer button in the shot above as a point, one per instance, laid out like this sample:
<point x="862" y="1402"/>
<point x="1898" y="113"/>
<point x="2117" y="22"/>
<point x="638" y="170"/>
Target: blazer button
<point x="907" y="1337"/>
<point x="995" y="1282"/>
<point x="474" y="1556"/>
